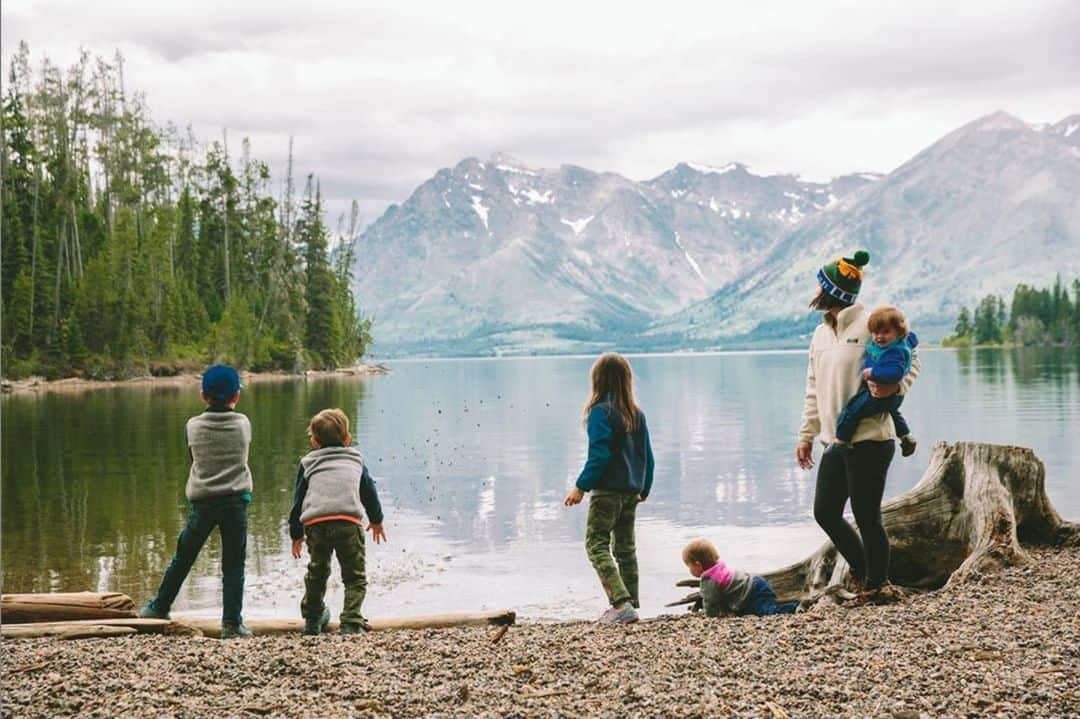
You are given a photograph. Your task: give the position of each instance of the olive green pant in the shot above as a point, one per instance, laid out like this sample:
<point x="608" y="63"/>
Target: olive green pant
<point x="610" y="531"/>
<point x="346" y="540"/>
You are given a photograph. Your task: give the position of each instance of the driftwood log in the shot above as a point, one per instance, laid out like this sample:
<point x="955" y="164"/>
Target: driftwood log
<point x="212" y="627"/>
<point x="97" y="628"/>
<point x="96" y="632"/>
<point x="969" y="514"/>
<point x="195" y="626"/>
<point x="64" y="606"/>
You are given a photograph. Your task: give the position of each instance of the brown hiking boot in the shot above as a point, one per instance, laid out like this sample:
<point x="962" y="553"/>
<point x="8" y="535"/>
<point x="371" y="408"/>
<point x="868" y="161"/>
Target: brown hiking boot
<point x="885" y="594"/>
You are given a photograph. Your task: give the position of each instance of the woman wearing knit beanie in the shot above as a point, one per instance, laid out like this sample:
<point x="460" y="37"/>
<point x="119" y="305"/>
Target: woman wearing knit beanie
<point x="832" y="377"/>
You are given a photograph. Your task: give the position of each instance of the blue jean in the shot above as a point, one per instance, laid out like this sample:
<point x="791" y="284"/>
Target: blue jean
<point x="762" y="600"/>
<point x="863" y="405"/>
<point x="229" y="515"/>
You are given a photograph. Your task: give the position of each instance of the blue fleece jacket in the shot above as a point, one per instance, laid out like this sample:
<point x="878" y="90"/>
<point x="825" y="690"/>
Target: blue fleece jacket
<point x="618" y="460"/>
<point x="890" y="363"/>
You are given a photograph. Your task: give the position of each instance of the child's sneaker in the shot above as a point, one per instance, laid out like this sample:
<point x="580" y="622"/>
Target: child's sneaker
<point x="907" y="445"/>
<point x="316" y="626"/>
<point x="354" y="628"/>
<point x="622" y="614"/>
<point x="150" y="611"/>
<point x="234" y="630"/>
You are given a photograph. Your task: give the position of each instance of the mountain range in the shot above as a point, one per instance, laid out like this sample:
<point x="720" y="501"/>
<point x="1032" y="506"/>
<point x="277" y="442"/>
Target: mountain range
<point x="492" y="256"/>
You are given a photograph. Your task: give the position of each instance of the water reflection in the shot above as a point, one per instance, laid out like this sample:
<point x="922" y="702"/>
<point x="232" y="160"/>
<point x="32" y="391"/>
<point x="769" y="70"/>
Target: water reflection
<point x="472" y="459"/>
<point x="93" y="484"/>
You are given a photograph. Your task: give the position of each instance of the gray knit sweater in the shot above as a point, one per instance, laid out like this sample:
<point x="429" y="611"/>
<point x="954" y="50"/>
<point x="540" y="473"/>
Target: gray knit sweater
<point x="219" y="444"/>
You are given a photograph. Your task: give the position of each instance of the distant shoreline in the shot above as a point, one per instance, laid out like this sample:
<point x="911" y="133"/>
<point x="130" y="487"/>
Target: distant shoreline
<point x="632" y="354"/>
<point x="80" y="384"/>
<point x="75" y="384"/>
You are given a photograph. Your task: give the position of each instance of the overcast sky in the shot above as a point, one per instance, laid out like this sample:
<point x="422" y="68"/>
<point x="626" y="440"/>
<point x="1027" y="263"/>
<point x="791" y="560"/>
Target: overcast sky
<point x="379" y="96"/>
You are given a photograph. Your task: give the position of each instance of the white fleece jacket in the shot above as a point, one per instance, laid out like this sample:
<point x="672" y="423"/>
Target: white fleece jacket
<point x="834" y="374"/>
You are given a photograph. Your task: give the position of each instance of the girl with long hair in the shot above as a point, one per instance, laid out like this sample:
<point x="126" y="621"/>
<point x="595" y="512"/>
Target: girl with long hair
<point x="619" y="474"/>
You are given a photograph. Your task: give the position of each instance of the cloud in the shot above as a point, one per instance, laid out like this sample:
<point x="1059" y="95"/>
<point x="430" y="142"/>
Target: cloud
<point x="380" y="96"/>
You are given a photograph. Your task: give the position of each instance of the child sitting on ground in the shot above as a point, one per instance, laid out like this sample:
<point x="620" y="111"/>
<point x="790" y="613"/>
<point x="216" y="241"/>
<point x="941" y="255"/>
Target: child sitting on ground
<point x="887" y="360"/>
<point x="729" y="591"/>
<point x="331" y="486"/>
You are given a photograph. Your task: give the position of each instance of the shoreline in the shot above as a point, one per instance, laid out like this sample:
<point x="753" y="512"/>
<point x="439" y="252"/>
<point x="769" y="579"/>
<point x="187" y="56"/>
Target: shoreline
<point x="1005" y="644"/>
<point x="35" y="385"/>
<point x="40" y="384"/>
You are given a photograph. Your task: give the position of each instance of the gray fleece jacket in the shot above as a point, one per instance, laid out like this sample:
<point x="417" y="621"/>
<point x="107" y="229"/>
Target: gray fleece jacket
<point x="333" y="481"/>
<point x="724" y="590"/>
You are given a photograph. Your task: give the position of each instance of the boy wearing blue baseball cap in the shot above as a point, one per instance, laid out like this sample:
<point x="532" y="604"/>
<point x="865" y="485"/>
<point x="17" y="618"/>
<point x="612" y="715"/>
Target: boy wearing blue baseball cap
<point x="219" y="489"/>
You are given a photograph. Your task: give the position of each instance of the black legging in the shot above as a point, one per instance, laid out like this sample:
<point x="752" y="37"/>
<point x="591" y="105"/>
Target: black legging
<point x="860" y="475"/>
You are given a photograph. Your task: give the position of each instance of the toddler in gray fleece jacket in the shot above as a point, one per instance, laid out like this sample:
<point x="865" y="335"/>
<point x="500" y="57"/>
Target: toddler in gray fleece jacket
<point x="730" y="591"/>
<point x="333" y="491"/>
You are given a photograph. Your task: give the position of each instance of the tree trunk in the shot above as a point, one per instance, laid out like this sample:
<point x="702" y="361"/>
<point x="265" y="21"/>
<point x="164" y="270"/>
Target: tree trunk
<point x="966" y="517"/>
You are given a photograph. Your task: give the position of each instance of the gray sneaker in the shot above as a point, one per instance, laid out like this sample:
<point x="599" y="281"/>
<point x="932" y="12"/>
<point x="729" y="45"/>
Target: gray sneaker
<point x="622" y="614"/>
<point x="150" y="611"/>
<point x="316" y="626"/>
<point x="232" y="630"/>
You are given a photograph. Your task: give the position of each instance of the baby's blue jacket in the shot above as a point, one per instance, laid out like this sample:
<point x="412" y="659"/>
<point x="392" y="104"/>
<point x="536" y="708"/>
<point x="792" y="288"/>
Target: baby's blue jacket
<point x="890" y="363"/>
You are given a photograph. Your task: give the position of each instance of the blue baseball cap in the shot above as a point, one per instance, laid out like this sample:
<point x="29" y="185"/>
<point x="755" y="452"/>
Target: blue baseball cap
<point x="221" y="382"/>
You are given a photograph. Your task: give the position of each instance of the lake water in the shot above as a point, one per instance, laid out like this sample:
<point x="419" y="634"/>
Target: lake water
<point x="472" y="460"/>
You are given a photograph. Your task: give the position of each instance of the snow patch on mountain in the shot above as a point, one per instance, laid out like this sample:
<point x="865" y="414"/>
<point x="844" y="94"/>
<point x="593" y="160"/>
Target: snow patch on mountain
<point x="536" y="198"/>
<point x="516" y="170"/>
<point x="709" y="170"/>
<point x="478" y="206"/>
<point x="689" y="259"/>
<point x="578" y="226"/>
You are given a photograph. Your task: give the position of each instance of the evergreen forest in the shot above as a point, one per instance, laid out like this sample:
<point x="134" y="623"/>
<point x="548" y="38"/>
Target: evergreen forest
<point x="131" y="248"/>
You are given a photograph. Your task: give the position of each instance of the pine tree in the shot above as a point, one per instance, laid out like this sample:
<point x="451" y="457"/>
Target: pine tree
<point x="963" y="324"/>
<point x="987" y="322"/>
<point x="322" y="331"/>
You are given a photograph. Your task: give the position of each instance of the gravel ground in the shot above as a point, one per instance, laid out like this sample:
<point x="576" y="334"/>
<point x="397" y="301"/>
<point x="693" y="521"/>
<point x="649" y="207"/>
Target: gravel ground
<point x="1006" y="646"/>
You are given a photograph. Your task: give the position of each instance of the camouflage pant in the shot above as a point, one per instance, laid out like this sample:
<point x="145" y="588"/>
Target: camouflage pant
<point x="610" y="530"/>
<point x="347" y="541"/>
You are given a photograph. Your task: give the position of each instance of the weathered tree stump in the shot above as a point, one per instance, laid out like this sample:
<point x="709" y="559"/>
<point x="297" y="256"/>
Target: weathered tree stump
<point x="967" y="516"/>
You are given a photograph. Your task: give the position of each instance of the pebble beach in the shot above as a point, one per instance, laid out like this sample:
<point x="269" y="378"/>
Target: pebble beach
<point x="1006" y="645"/>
